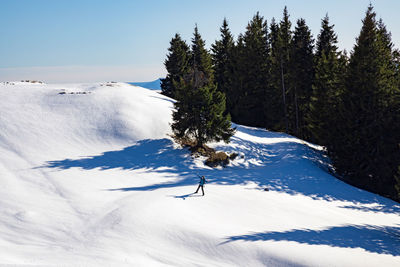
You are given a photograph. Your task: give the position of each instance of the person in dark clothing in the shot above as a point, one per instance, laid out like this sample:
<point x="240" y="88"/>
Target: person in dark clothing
<point x="201" y="184"/>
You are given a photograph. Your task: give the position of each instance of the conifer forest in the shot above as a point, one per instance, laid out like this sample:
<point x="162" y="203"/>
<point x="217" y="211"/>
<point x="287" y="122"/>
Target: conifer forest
<point x="277" y="76"/>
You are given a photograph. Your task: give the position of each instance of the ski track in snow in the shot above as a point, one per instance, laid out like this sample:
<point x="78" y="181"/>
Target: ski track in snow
<point x="90" y="177"/>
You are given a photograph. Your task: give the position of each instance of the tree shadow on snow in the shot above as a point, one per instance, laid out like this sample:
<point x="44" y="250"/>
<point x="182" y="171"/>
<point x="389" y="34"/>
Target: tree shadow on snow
<point x="288" y="166"/>
<point x="378" y="239"/>
<point x="155" y="155"/>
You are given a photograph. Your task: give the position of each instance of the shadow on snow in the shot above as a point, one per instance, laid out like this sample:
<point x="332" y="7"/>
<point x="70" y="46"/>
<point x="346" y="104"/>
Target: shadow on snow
<point x="376" y="239"/>
<point x="288" y="167"/>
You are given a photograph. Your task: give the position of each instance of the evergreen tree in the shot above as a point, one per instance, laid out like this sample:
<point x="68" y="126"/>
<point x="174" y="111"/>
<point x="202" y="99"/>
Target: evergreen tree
<point x="275" y="114"/>
<point x="254" y="61"/>
<point x="301" y="74"/>
<point x="237" y="77"/>
<point x="327" y="84"/>
<point x="368" y="154"/>
<point x="396" y="56"/>
<point x="389" y="103"/>
<point x="327" y="39"/>
<point x="284" y="41"/>
<point x="199" y="111"/>
<point x="200" y="61"/>
<point x="280" y="39"/>
<point x="176" y="65"/>
<point x="199" y="114"/>
<point x="222" y="57"/>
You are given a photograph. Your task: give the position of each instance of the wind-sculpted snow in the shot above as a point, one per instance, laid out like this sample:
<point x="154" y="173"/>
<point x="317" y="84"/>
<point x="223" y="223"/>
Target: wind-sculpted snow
<point x="90" y="177"/>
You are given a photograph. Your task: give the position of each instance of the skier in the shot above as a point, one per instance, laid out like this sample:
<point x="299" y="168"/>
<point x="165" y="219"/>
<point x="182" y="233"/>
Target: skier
<point x="201" y="184"/>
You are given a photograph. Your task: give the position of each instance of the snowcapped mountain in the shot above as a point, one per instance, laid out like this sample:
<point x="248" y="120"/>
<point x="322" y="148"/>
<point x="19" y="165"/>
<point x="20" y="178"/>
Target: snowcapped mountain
<point x="89" y="176"/>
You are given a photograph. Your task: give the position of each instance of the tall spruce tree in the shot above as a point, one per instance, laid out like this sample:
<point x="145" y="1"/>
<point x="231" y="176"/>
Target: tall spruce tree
<point x="255" y="63"/>
<point x="327" y="86"/>
<point x="396" y="56"/>
<point x="200" y="62"/>
<point x="222" y="56"/>
<point x="368" y="154"/>
<point x="176" y="65"/>
<point x="284" y="41"/>
<point x="199" y="111"/>
<point x="237" y="78"/>
<point x="327" y="39"/>
<point x="275" y="114"/>
<point x="390" y="105"/>
<point x="301" y="74"/>
<point x="280" y="39"/>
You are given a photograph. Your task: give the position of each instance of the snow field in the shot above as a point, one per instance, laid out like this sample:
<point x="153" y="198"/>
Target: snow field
<point x="89" y="177"/>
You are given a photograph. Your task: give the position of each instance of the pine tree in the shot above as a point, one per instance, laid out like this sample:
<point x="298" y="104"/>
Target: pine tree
<point x="222" y="55"/>
<point x="199" y="111"/>
<point x="199" y="114"/>
<point x="275" y="114"/>
<point x="327" y="39"/>
<point x="280" y="40"/>
<point x="368" y="154"/>
<point x="396" y="56"/>
<point x="237" y="77"/>
<point x="301" y="74"/>
<point x="254" y="61"/>
<point x="389" y="104"/>
<point x="284" y="41"/>
<point x="200" y="61"/>
<point x="327" y="84"/>
<point x="176" y="65"/>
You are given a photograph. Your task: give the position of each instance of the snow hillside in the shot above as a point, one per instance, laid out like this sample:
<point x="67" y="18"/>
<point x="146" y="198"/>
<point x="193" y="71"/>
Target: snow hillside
<point x="89" y="177"/>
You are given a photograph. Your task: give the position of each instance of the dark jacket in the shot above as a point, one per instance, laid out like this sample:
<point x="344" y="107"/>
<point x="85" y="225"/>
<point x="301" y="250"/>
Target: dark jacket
<point x="202" y="180"/>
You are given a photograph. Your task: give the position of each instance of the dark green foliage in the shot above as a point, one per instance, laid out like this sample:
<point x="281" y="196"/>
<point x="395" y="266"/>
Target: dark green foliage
<point x="290" y="76"/>
<point x="223" y="63"/>
<point x="236" y="78"/>
<point x="176" y="65"/>
<point x="275" y="113"/>
<point x="200" y="60"/>
<point x="199" y="110"/>
<point x="301" y="74"/>
<point x="327" y="39"/>
<point x="199" y="114"/>
<point x="327" y="86"/>
<point x="396" y="57"/>
<point x="253" y="57"/>
<point x="368" y="153"/>
<point x="280" y="40"/>
<point x="285" y="39"/>
<point x="275" y="79"/>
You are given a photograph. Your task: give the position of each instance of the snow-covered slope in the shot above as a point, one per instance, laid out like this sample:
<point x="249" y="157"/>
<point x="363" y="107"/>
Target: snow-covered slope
<point x="89" y="177"/>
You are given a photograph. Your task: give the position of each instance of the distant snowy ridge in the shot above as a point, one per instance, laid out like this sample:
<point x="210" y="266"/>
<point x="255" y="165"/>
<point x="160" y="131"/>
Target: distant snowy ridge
<point x="90" y="177"/>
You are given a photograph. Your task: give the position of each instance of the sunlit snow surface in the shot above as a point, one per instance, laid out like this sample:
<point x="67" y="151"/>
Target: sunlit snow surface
<point x="89" y="177"/>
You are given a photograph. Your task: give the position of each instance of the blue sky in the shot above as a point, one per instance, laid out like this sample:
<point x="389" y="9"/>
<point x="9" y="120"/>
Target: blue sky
<point x="88" y="40"/>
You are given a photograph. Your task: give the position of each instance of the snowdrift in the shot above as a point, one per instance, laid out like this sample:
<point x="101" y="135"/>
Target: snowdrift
<point x="90" y="177"/>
